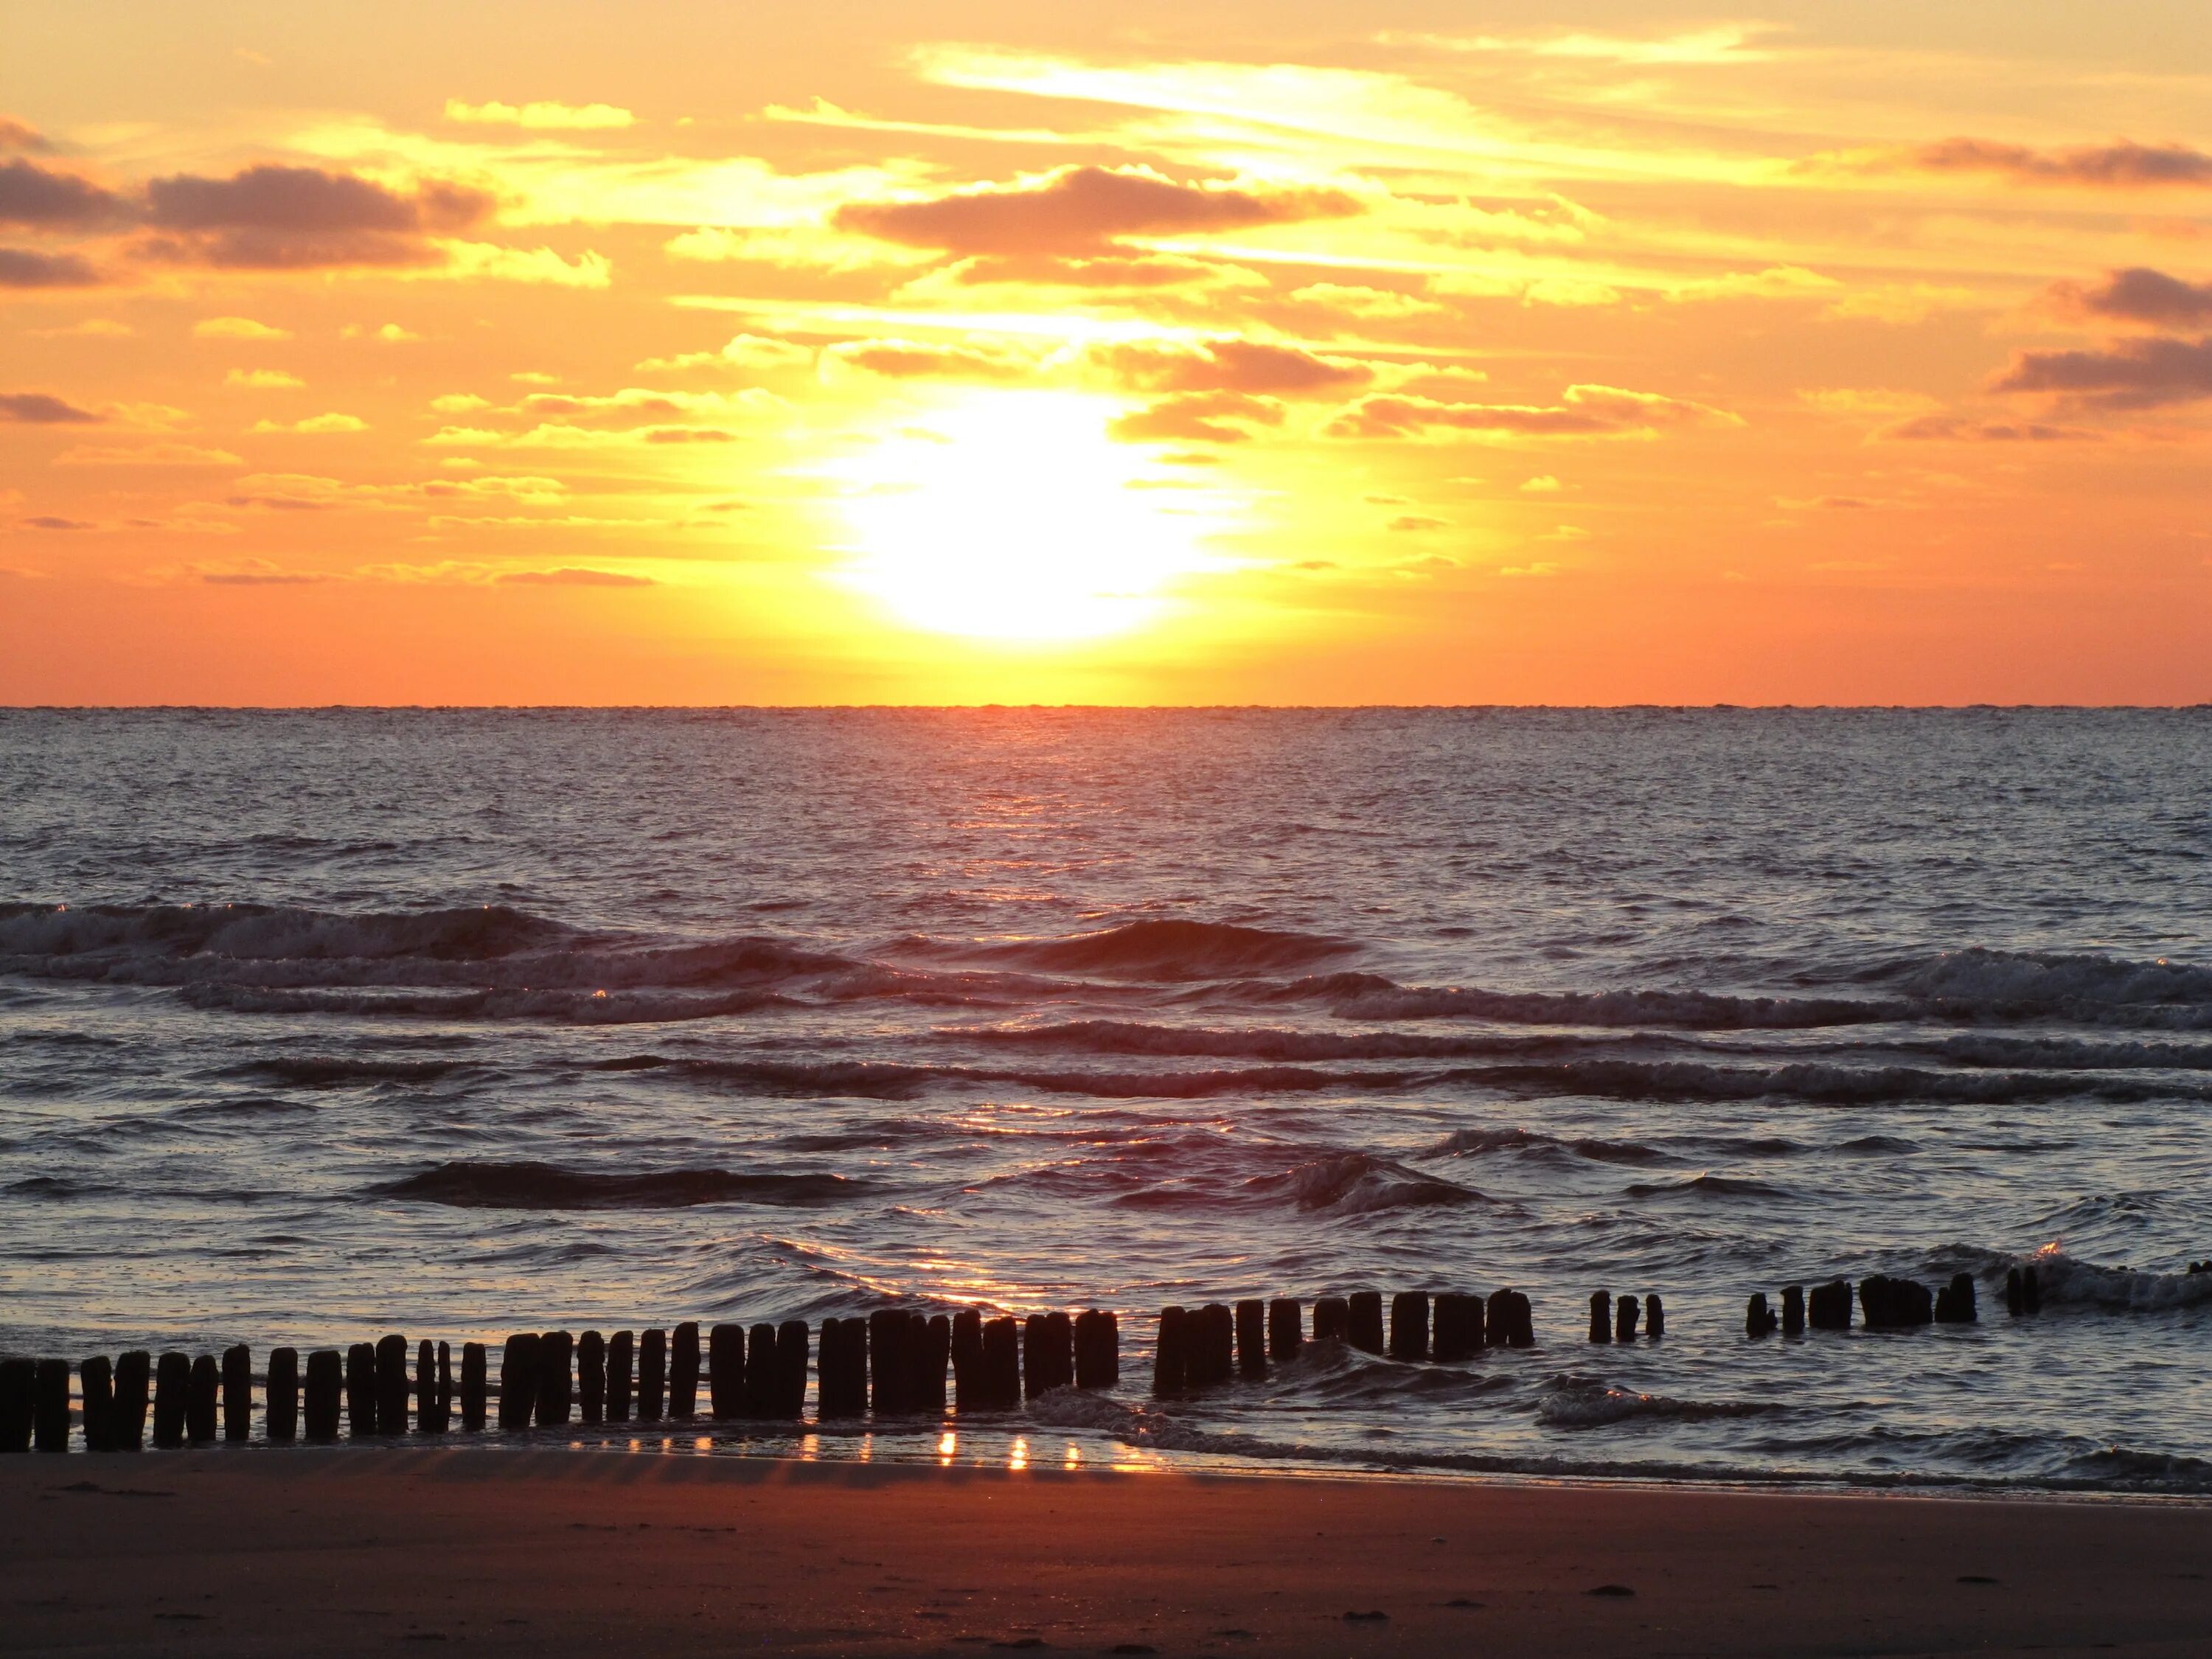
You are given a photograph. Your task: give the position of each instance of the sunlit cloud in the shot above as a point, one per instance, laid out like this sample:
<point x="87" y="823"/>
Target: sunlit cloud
<point x="542" y="116"/>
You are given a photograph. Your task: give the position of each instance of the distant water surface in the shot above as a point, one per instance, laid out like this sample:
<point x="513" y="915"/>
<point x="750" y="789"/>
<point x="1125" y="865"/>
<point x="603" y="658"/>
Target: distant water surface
<point x="317" y="1025"/>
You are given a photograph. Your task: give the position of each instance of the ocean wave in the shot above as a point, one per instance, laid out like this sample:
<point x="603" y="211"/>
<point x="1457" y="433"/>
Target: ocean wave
<point x="534" y="1186"/>
<point x="1357" y="1183"/>
<point x="593" y="1007"/>
<point x="268" y="933"/>
<point x="1570" y="1402"/>
<point x="2078" y="986"/>
<point x="1154" y="950"/>
<point x="1817" y="1082"/>
<point x="1477" y="1143"/>
<point x="1365" y="997"/>
<point x="1115" y="1037"/>
<point x="340" y="1071"/>
<point x="2067" y="1280"/>
<point x="1707" y="1186"/>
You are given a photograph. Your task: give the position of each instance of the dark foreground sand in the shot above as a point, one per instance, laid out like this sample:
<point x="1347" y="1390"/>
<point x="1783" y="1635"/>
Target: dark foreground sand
<point x="554" y="1552"/>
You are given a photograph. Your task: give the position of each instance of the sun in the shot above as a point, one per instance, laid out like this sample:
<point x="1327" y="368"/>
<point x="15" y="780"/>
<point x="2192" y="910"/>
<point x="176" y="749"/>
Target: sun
<point x="1014" y="516"/>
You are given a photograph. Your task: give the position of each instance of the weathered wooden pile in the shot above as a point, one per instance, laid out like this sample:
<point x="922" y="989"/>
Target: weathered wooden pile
<point x="1885" y="1304"/>
<point x="1616" y="1321"/>
<point x="1203" y="1347"/>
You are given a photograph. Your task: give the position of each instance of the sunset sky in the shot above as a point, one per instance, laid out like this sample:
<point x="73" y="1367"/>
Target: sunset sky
<point x="660" y="352"/>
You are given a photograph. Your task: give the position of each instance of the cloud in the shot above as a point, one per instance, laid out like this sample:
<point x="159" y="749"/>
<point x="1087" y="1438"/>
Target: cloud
<point x="905" y="359"/>
<point x="20" y="267"/>
<point x="91" y="328"/>
<point x="1368" y="304"/>
<point x="2137" y="295"/>
<point x="1953" y="430"/>
<point x="160" y="454"/>
<point x="514" y="265"/>
<point x="315" y="423"/>
<point x="42" y="409"/>
<point x="749" y="351"/>
<point x="1543" y="484"/>
<point x="1130" y="271"/>
<point x="1585" y="411"/>
<point x="13" y="134"/>
<point x="47" y="521"/>
<point x="2120" y="165"/>
<point x="236" y="328"/>
<point x="1082" y="209"/>
<point x="1229" y="365"/>
<point x="264" y="380"/>
<point x="286" y="218"/>
<point x="36" y="196"/>
<point x="1417" y="521"/>
<point x="543" y="116"/>
<point x="571" y="577"/>
<point x="1865" y="400"/>
<point x="1213" y="417"/>
<point x="259" y="573"/>
<point x="2135" y="374"/>
<point x="1775" y="283"/>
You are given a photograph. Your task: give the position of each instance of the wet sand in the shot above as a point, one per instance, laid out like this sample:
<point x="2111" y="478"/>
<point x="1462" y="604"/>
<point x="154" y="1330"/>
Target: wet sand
<point x="551" y="1553"/>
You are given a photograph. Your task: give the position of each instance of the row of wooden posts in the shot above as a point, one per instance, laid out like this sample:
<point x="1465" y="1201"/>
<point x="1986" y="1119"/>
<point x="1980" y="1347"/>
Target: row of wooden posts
<point x="1885" y="1303"/>
<point x="1203" y="1347"/>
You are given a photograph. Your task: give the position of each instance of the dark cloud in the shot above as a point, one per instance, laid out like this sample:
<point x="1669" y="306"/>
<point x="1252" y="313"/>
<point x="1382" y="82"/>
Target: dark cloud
<point x="2135" y="374"/>
<point x="1082" y="209"/>
<point x="47" y="521"/>
<point x="1230" y="365"/>
<point x="41" y="408"/>
<point x="13" y="134"/>
<point x="2122" y="165"/>
<point x="1585" y="411"/>
<point x="20" y="267"/>
<point x="1952" y="429"/>
<point x="1135" y="270"/>
<point x="903" y="360"/>
<point x="1211" y="417"/>
<point x="277" y="218"/>
<point x="2138" y="294"/>
<point x="36" y="196"/>
<point x="570" y="577"/>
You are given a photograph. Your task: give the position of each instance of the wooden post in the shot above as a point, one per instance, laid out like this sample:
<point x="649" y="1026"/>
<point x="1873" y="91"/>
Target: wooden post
<point x="127" y="1425"/>
<point x="1409" y="1325"/>
<point x="887" y="1363"/>
<point x="619" y="1347"/>
<point x="433" y="1396"/>
<point x="2031" y="1289"/>
<point x="1049" y="1353"/>
<point x="19" y="1410"/>
<point x="725" y="1370"/>
<point x="1252" y="1337"/>
<point x="1601" y="1329"/>
<point x="842" y="1390"/>
<point x="2015" y="1303"/>
<point x="173" y="1381"/>
<point x="1213" y="1346"/>
<point x="591" y="1377"/>
<point x="1458" y="1332"/>
<point x="1002" y="1362"/>
<point x="791" y="1369"/>
<point x="932" y="1348"/>
<point x="1285" y="1334"/>
<point x="1954" y="1302"/>
<point x="1172" y="1358"/>
<point x="1332" y="1319"/>
<point x="326" y="1383"/>
<point x="763" y="1373"/>
<point x="1655" y="1317"/>
<point x="1758" y="1319"/>
<point x="280" y="1398"/>
<point x="969" y="1388"/>
<point x="1497" y="1319"/>
<point x="1828" y="1307"/>
<point x="518" y="1381"/>
<point x="1366" y="1331"/>
<point x="360" y="1389"/>
<point x="1098" y="1350"/>
<point x="97" y="1378"/>
<point x="49" y="1414"/>
<point x="444" y="1384"/>
<point x="684" y="1371"/>
<point x="1523" y="1332"/>
<point x="392" y="1385"/>
<point x="475" y="1386"/>
<point x="555" y="1385"/>
<point x="1793" y="1311"/>
<point x="1629" y="1311"/>
<point x="201" y="1404"/>
<point x="652" y="1376"/>
<point x="238" y="1393"/>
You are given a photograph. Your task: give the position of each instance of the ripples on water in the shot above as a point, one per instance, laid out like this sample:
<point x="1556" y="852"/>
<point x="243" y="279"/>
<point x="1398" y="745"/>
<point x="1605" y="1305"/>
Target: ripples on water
<point x="450" y="1022"/>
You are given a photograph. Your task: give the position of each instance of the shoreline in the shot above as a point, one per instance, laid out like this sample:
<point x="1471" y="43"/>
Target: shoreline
<point x="121" y="1553"/>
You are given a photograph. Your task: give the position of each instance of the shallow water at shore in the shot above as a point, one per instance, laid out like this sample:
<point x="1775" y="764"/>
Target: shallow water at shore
<point x="453" y="1023"/>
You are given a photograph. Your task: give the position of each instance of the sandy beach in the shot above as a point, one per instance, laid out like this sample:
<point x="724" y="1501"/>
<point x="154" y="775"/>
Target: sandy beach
<point x="550" y="1553"/>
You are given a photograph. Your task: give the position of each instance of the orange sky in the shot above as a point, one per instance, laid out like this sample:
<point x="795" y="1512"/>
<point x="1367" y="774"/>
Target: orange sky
<point x="658" y="352"/>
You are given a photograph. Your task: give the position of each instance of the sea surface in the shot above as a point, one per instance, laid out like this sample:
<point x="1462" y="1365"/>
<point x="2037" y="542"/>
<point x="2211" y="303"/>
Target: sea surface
<point x="318" y="1025"/>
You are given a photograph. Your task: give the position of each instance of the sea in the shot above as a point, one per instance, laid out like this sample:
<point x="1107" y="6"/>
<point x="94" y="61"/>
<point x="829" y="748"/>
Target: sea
<point x="319" y="1025"/>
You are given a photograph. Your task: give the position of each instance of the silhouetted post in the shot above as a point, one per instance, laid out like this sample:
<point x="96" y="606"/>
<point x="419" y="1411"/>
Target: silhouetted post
<point x="591" y="1379"/>
<point x="96" y="1379"/>
<point x="1600" y="1316"/>
<point x="1332" y="1319"/>
<point x="1213" y="1346"/>
<point x="932" y="1343"/>
<point x="684" y="1371"/>
<point x="725" y="1370"/>
<point x="1285" y="1334"/>
<point x="326" y="1383"/>
<point x="238" y="1393"/>
<point x="280" y="1418"/>
<point x="475" y="1386"/>
<point x="444" y="1384"/>
<point x="1828" y="1307"/>
<point x="887" y="1366"/>
<point x="1654" y="1317"/>
<point x="1497" y="1319"/>
<point x="1521" y="1316"/>
<point x="1458" y="1333"/>
<point x="1002" y="1362"/>
<point x="762" y="1376"/>
<point x="619" y="1347"/>
<point x="173" y="1381"/>
<point x="1793" y="1311"/>
<point x="1409" y="1325"/>
<point x="1171" y="1356"/>
<point x="1047" y="1354"/>
<point x="842" y="1388"/>
<point x="1758" y="1319"/>
<point x="18" y="1389"/>
<point x="1627" y="1311"/>
<point x="1954" y="1302"/>
<point x="432" y="1395"/>
<point x="1098" y="1350"/>
<point x="201" y="1404"/>
<point x="1366" y="1331"/>
<point x="968" y="1387"/>
<point x="392" y="1385"/>
<point x="518" y="1381"/>
<point x="652" y="1376"/>
<point x="2015" y="1303"/>
<point x="790" y="1368"/>
<point x="360" y="1389"/>
<point x="1251" y="1337"/>
<point x="126" y="1423"/>
<point x="555" y="1383"/>
<point x="50" y="1416"/>
<point x="2031" y="1289"/>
